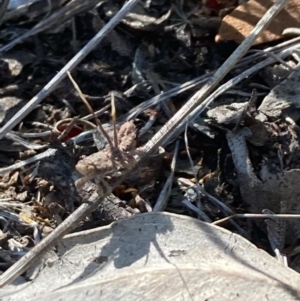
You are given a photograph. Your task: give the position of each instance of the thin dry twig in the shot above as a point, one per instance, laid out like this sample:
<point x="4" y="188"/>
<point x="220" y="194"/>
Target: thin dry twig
<point x="49" y="152"/>
<point x="67" y="130"/>
<point x="161" y="203"/>
<point x="256" y="215"/>
<point x="114" y="118"/>
<point x="98" y="122"/>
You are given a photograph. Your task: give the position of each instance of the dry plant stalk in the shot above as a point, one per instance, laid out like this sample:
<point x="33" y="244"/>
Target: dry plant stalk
<point x="99" y="124"/>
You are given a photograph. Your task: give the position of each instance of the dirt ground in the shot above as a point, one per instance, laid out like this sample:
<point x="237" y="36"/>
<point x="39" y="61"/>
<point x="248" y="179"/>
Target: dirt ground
<point x="152" y="52"/>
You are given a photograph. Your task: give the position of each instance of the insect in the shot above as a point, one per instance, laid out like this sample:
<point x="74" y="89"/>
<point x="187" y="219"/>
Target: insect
<point x="112" y="161"/>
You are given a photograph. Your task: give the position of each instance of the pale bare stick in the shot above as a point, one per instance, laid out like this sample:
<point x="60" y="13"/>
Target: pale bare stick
<point x="85" y="209"/>
<point x="161" y="202"/>
<point x="256" y="215"/>
<point x="57" y="79"/>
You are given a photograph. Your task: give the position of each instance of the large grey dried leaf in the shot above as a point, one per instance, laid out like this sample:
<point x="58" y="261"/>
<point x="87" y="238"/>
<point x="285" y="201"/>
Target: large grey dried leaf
<point x="161" y="256"/>
<point x="184" y="283"/>
<point x="284" y="99"/>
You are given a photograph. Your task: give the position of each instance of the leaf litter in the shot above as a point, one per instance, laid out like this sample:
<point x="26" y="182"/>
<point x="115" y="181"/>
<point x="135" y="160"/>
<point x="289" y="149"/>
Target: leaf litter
<point x="243" y="148"/>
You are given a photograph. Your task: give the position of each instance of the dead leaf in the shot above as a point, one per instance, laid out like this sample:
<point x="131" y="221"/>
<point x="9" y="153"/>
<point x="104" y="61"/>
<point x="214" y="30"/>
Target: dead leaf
<point x="283" y="100"/>
<point x="163" y="256"/>
<point x="237" y="25"/>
